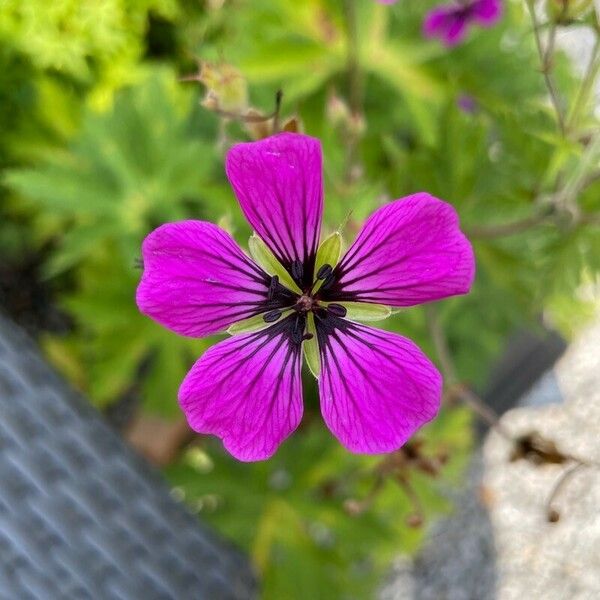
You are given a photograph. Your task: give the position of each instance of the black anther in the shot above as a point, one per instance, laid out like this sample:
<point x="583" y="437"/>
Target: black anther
<point x="272" y="316"/>
<point x="298" y="329"/>
<point x="329" y="281"/>
<point x="324" y="272"/>
<point x="337" y="310"/>
<point x="273" y="287"/>
<point x="308" y="336"/>
<point x="297" y="270"/>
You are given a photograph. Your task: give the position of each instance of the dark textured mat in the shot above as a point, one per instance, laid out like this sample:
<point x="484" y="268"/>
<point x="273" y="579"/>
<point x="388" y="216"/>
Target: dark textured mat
<point x="81" y="516"/>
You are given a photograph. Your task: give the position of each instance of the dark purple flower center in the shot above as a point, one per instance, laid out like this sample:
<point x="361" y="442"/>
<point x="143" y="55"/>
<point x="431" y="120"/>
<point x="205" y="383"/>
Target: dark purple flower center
<point x="305" y="303"/>
<point x="314" y="299"/>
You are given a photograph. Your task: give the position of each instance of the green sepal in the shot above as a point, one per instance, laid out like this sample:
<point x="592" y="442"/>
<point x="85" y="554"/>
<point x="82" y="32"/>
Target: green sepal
<point x="266" y="259"/>
<point x="252" y="324"/>
<point x="362" y="311"/>
<point x="311" y="347"/>
<point x="249" y="325"/>
<point x="329" y="251"/>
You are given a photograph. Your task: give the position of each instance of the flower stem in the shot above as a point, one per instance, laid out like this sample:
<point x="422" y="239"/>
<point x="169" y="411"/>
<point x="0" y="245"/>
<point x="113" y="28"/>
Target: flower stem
<point x="587" y="84"/>
<point x="352" y="58"/>
<point x="546" y="58"/>
<point x="564" y="199"/>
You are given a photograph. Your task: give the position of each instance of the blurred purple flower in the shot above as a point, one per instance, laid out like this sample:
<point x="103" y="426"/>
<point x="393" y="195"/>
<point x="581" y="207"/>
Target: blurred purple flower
<point x="450" y="22"/>
<point x="377" y="388"/>
<point x="467" y="103"/>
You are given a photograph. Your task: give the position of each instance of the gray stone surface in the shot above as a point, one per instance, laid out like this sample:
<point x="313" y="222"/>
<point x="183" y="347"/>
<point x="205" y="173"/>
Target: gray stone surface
<point x="504" y="548"/>
<point x="80" y="515"/>
<point x="537" y="559"/>
<point x="458" y="561"/>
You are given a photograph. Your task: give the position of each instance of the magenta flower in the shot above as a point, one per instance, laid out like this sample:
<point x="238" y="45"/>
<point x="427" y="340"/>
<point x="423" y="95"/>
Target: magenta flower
<point x="376" y="387"/>
<point x="450" y="22"/>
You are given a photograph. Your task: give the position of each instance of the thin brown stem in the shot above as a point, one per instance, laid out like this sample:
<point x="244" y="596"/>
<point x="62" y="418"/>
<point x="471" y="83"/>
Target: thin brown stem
<point x="277" y="111"/>
<point x="455" y="388"/>
<point x="418" y="515"/>
<point x="552" y="513"/>
<point x="357" y="507"/>
<point x="441" y="345"/>
<point x="507" y="229"/>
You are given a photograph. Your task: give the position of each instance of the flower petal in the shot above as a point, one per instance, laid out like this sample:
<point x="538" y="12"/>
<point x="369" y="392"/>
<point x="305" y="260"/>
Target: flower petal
<point x="408" y="252"/>
<point x="247" y="390"/>
<point x="279" y="184"/>
<point x="446" y="23"/>
<point x="487" y="12"/>
<point x="377" y="388"/>
<point x="197" y="281"/>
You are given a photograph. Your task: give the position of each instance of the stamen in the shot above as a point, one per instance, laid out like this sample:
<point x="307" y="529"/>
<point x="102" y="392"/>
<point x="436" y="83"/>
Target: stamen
<point x="273" y="287"/>
<point x="297" y="334"/>
<point x="329" y="281"/>
<point x="272" y="316"/>
<point x="308" y="336"/>
<point x="297" y="270"/>
<point x="337" y="310"/>
<point x="324" y="272"/>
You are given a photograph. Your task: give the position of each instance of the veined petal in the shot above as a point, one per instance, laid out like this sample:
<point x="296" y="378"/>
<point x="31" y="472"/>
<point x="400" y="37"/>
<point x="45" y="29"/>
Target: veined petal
<point x="408" y="252"/>
<point x="279" y="184"/>
<point x="377" y="388"/>
<point x="247" y="390"/>
<point x="197" y="281"/>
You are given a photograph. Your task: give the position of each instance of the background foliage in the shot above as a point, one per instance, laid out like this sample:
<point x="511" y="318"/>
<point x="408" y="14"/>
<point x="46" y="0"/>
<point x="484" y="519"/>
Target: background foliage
<point x="101" y="142"/>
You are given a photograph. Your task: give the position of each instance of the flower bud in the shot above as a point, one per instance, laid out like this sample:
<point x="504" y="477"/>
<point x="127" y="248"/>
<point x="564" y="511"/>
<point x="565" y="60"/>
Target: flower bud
<point x="226" y="88"/>
<point x="257" y="125"/>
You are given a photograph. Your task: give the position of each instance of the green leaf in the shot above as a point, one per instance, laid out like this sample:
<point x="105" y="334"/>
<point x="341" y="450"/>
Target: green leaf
<point x="361" y="311"/>
<point x="266" y="259"/>
<point x="311" y="348"/>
